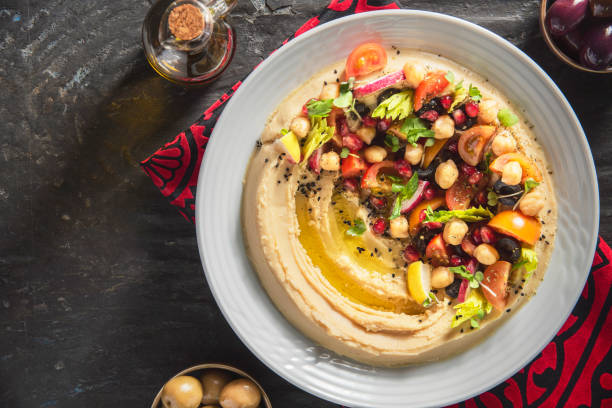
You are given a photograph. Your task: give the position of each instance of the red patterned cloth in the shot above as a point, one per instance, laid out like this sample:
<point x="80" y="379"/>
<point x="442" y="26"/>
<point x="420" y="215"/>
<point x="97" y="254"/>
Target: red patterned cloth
<point x="574" y="370"/>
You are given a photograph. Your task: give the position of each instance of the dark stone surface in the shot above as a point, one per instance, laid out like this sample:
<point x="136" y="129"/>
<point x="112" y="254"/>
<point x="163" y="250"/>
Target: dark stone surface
<point x="101" y="289"/>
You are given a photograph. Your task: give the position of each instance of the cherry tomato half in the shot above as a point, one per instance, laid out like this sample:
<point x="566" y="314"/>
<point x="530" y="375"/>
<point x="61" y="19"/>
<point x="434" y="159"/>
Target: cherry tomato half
<point x="495" y="282"/>
<point x="437" y="251"/>
<point x="366" y="58"/>
<point x="370" y="178"/>
<point x="353" y="166"/>
<point x="472" y="143"/>
<point x="431" y="86"/>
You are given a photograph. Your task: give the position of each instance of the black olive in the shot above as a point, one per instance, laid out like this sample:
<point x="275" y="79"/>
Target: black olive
<point x="508" y="201"/>
<point x="429" y="172"/>
<point x="423" y="238"/>
<point x="386" y="94"/>
<point x="433" y="104"/>
<point x="452" y="290"/>
<point x="362" y="109"/>
<point x="459" y="251"/>
<point x="502" y="188"/>
<point x="509" y="249"/>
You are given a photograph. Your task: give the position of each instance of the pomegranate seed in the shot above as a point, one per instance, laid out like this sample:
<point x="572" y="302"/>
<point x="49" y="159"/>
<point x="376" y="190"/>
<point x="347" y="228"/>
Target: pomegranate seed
<point x="456" y="260"/>
<point x="383" y="125"/>
<point x="467" y="169"/>
<point x="422" y="215"/>
<point x="471" y="109"/>
<point x="352" y="142"/>
<point x="432" y="225"/>
<point x="403" y="168"/>
<point x="342" y="126"/>
<point x="429" y="193"/>
<point x="446" y="101"/>
<point x="475" y="178"/>
<point x="487" y="235"/>
<point x="305" y="108"/>
<point x="481" y="198"/>
<point x="379" y="227"/>
<point x="430" y="115"/>
<point x="369" y="121"/>
<point x="453" y="147"/>
<point x="314" y="161"/>
<point x="472" y="265"/>
<point x="411" y="254"/>
<point x="476" y="236"/>
<point x="378" y="202"/>
<point x="458" y="117"/>
<point x="350" y="184"/>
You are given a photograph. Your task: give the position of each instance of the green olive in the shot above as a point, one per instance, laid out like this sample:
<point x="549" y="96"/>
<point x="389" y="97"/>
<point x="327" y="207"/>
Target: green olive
<point x="182" y="392"/>
<point x="213" y="381"/>
<point x="241" y="393"/>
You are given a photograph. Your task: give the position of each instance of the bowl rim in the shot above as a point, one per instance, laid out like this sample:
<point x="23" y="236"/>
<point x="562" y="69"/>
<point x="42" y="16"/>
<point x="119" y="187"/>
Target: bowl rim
<point x="556" y="50"/>
<point x="521" y="57"/>
<point x="209" y="366"/>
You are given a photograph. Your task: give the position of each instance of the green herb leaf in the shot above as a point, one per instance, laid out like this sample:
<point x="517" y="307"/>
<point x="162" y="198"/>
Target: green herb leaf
<point x="530" y="184"/>
<point x="450" y="77"/>
<point x="319" y="109"/>
<point x="469" y="215"/>
<point x="344" y="153"/>
<point x="475" y="306"/>
<point x="357" y="229"/>
<point x="474" y="323"/>
<point x="528" y="260"/>
<point x="461" y="94"/>
<point x="506" y="117"/>
<point x="396" y="107"/>
<point x="474" y="93"/>
<point x="393" y="142"/>
<point x="414" y="129"/>
<point x="345" y="99"/>
<point x="473" y="279"/>
<point x="319" y="134"/>
<point x="492" y="199"/>
<point x="459" y="85"/>
<point x="284" y="131"/>
<point x="430" y="300"/>
<point x="485" y="163"/>
<point x="405" y="192"/>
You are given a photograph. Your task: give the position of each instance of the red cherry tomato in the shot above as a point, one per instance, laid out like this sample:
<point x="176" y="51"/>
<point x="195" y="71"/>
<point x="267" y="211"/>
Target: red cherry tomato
<point x="437" y="251"/>
<point x="495" y="282"/>
<point x="472" y="143"/>
<point x="370" y="179"/>
<point x="431" y="86"/>
<point x="366" y="58"/>
<point x="460" y="194"/>
<point x="353" y="166"/>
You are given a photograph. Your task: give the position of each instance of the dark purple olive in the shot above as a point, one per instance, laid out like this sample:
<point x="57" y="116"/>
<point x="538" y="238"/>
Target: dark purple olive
<point x="565" y="15"/>
<point x="596" y="53"/>
<point x="572" y="42"/>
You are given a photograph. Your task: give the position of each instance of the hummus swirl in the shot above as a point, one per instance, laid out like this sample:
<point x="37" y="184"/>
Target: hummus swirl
<point x="349" y="293"/>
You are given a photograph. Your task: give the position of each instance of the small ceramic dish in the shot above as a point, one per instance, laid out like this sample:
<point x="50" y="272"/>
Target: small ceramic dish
<point x="556" y="50"/>
<point x="198" y="370"/>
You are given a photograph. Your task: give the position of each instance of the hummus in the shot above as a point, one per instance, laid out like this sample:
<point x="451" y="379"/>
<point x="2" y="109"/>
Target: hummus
<point x="349" y="292"/>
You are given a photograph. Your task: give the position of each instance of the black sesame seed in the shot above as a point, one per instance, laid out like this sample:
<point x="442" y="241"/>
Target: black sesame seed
<point x="450" y="302"/>
<point x="461" y="330"/>
<point x="522" y="294"/>
<point x="266" y="160"/>
<point x="337" y="79"/>
<point x="324" y="82"/>
<point x="390" y="249"/>
<point x="398" y="52"/>
<point x="335" y="71"/>
<point x="516" y="291"/>
<point x="277" y="181"/>
<point x="393" y="275"/>
<point x="420" y="321"/>
<point x="508" y="310"/>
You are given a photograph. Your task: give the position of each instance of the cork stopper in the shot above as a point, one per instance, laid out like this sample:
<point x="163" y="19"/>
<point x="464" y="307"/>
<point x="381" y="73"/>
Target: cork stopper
<point x="186" y="22"/>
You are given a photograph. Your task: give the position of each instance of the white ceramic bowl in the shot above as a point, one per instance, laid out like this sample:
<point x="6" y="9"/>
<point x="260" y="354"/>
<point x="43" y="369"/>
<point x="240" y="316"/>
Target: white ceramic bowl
<point x="246" y="305"/>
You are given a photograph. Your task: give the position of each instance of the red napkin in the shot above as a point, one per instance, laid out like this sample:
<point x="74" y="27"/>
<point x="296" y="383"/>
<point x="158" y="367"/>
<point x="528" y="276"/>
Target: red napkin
<point x="574" y="370"/>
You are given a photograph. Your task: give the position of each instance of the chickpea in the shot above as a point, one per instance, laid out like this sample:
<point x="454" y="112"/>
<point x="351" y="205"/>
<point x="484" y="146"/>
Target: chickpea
<point x="486" y="254"/>
<point x="532" y="203"/>
<point x="446" y="174"/>
<point x="414" y="74"/>
<point x="414" y="154"/>
<point x="398" y="227"/>
<point x="330" y="91"/>
<point x="503" y="143"/>
<point x="330" y="161"/>
<point x="441" y="277"/>
<point x="512" y="173"/>
<point x="454" y="231"/>
<point x="300" y="126"/>
<point x="182" y="392"/>
<point x="241" y="393"/>
<point x="213" y="381"/>
<point x="487" y="112"/>
<point x="375" y="154"/>
<point x="443" y="127"/>
<point x="366" y="134"/>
